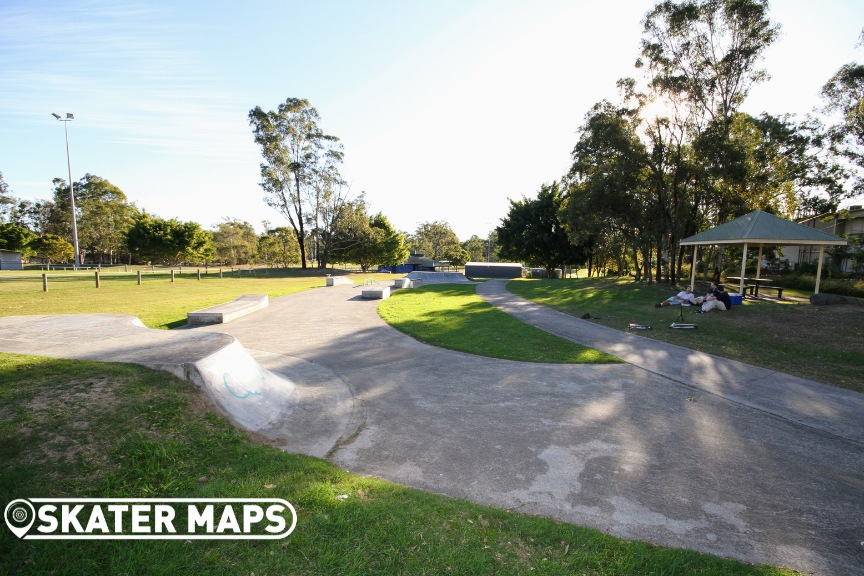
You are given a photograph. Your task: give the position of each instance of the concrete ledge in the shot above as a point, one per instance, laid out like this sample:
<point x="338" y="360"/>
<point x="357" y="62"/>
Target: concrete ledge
<point x="221" y="313"/>
<point x="337" y="280"/>
<point x="402" y="283"/>
<point x="376" y="292"/>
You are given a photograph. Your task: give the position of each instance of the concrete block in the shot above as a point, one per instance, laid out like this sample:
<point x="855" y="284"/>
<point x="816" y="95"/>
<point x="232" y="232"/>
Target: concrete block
<point x="221" y="313"/>
<point x="402" y="283"/>
<point x="376" y="292"/>
<point x="337" y="280"/>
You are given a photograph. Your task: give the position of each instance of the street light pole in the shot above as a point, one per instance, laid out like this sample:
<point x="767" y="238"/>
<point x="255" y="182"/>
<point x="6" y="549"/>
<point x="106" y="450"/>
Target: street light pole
<point x="69" y="118"/>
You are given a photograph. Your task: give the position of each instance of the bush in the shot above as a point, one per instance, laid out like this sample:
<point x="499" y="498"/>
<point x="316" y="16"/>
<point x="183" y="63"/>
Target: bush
<point x="843" y="287"/>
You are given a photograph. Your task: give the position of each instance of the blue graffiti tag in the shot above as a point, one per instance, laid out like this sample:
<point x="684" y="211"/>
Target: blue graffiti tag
<point x="231" y="390"/>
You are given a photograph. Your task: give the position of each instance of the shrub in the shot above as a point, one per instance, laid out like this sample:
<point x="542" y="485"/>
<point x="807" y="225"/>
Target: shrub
<point x="843" y="287"/>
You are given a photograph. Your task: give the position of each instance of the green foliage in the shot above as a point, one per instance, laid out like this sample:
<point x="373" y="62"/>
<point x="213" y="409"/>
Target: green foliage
<point x="844" y="96"/>
<point x="102" y="211"/>
<point x="235" y="242"/>
<point x="377" y="243"/>
<point x="14" y="238"/>
<point x="170" y="242"/>
<point x="279" y="247"/>
<point x="705" y="52"/>
<point x="807" y="283"/>
<point x="438" y="241"/>
<point x="300" y="173"/>
<point x="52" y="248"/>
<point x="533" y="233"/>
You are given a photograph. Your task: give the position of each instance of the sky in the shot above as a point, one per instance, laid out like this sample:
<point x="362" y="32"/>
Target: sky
<point x="446" y="109"/>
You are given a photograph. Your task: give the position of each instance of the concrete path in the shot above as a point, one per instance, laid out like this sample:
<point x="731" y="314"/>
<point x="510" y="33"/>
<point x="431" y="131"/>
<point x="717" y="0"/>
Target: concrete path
<point x="639" y="451"/>
<point x="626" y="449"/>
<point x="797" y="399"/>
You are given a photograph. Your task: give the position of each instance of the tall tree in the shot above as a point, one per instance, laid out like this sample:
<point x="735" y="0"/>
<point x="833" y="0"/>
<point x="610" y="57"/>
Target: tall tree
<point x="102" y="211"/>
<point x="279" y="247"/>
<point x="379" y="244"/>
<point x="300" y="163"/>
<point x="844" y="99"/>
<point x="438" y="241"/>
<point x="612" y="204"/>
<point x="235" y="242"/>
<point x="707" y="51"/>
<point x="6" y="199"/>
<point x="532" y="232"/>
<point x="476" y="248"/>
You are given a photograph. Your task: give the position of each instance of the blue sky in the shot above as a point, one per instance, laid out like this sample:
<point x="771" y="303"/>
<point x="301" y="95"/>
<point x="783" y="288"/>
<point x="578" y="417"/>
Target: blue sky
<point x="445" y="109"/>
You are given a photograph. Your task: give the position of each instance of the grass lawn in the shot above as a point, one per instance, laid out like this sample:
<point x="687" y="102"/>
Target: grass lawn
<point x="452" y="316"/>
<point x="825" y="344"/>
<point x="157" y="302"/>
<point x="86" y="429"/>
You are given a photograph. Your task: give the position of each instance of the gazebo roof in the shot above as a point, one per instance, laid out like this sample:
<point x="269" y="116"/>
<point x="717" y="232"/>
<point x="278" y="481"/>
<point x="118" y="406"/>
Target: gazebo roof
<point x="759" y="227"/>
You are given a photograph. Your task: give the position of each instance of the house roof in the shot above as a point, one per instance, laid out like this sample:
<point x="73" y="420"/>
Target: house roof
<point x="759" y="227"/>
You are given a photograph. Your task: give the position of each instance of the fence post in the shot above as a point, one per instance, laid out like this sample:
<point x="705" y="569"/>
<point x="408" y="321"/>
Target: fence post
<point x="172" y="275"/>
<point x="125" y="267"/>
<point x="220" y="273"/>
<point x="139" y="277"/>
<point x="199" y="274"/>
<point x="97" y="279"/>
<point x="44" y="282"/>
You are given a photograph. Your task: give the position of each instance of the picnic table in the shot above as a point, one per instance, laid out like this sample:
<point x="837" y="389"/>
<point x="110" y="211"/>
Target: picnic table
<point x="753" y="284"/>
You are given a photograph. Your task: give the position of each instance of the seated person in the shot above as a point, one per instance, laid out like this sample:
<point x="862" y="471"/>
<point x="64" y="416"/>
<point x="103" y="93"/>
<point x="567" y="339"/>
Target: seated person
<point x="685" y="297"/>
<point x="717" y="299"/>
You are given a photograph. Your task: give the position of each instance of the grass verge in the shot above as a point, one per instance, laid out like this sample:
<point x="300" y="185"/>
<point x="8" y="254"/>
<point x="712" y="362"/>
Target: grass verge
<point x="452" y="316"/>
<point x="825" y="344"/>
<point x="157" y="302"/>
<point x="86" y="429"/>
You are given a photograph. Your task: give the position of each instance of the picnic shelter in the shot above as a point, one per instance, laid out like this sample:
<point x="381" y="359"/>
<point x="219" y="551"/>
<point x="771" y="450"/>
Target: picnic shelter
<point x="762" y="229"/>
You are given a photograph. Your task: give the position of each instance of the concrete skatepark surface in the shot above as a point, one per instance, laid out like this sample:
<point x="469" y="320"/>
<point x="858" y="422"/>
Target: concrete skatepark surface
<point x="702" y="454"/>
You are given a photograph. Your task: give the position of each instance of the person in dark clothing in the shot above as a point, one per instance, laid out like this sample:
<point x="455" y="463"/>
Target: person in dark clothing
<point x="717" y="299"/>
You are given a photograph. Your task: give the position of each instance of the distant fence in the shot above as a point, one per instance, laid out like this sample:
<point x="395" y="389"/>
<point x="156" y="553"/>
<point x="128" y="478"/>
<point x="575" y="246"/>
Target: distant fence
<point x="97" y="274"/>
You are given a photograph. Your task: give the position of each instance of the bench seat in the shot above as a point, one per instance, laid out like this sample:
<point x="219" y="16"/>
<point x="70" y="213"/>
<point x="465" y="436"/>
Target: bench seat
<point x="221" y="313"/>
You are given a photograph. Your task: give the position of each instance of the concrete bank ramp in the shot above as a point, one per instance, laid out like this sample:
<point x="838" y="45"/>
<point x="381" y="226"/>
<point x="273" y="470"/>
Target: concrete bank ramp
<point x="248" y="394"/>
<point x="421" y="278"/>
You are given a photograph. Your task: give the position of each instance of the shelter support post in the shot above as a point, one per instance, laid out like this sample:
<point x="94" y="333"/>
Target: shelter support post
<point x="759" y="265"/>
<point x="743" y="270"/>
<point x="819" y="268"/>
<point x="693" y="268"/>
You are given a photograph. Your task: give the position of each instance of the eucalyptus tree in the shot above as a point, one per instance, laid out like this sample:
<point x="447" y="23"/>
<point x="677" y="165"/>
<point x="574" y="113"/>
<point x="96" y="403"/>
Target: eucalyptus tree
<point x="704" y="56"/>
<point x="6" y="199"/>
<point x="844" y="99"/>
<point x="103" y="215"/>
<point x="609" y="198"/>
<point x="300" y="169"/>
<point x="707" y="51"/>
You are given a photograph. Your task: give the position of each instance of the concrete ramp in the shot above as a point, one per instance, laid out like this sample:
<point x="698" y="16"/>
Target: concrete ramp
<point x="249" y="395"/>
<point x="421" y="278"/>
